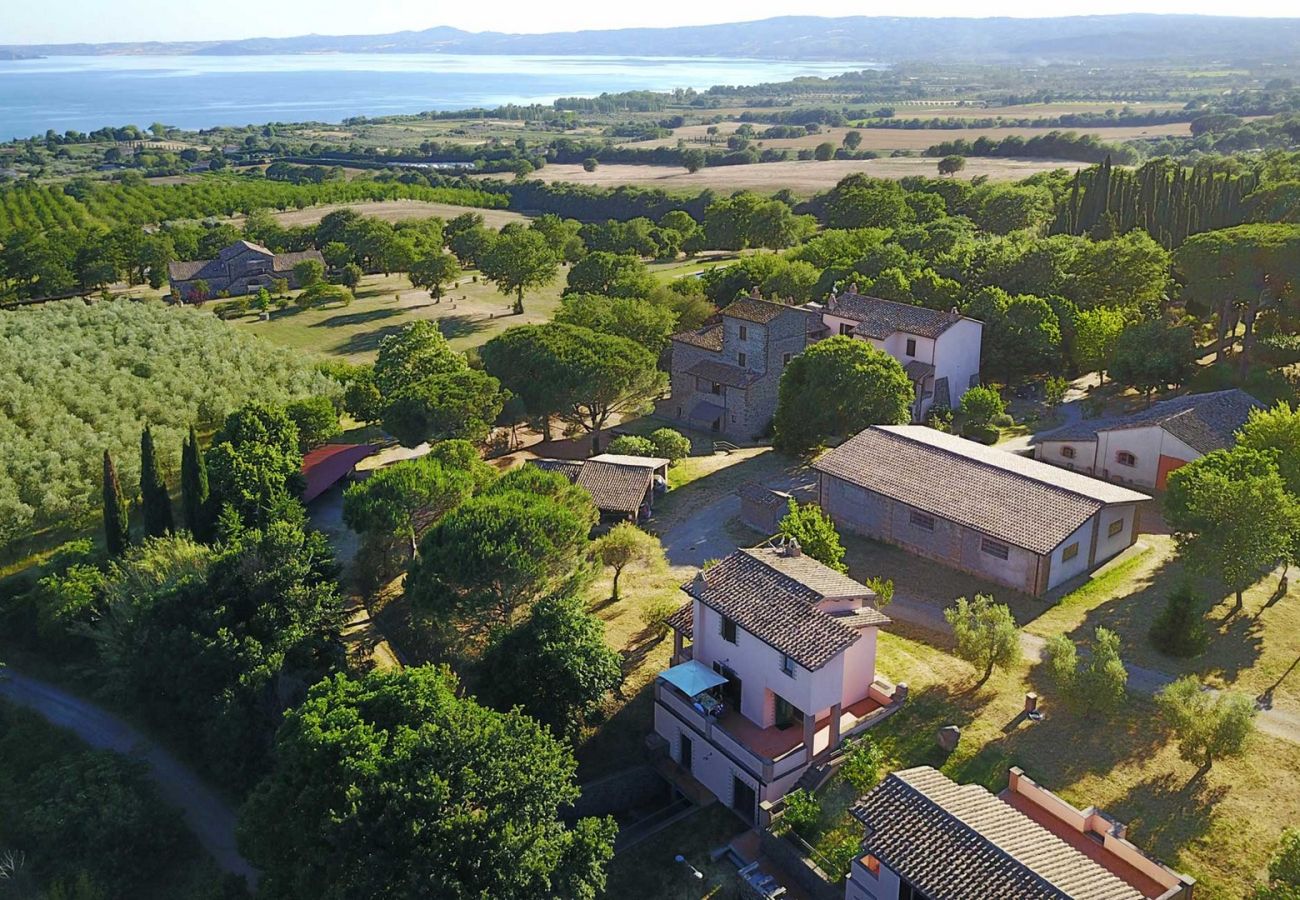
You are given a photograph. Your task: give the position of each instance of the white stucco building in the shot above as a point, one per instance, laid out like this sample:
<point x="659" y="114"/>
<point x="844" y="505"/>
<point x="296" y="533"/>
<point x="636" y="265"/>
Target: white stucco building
<point x="780" y="669"/>
<point x="1007" y="518"/>
<point x="1143" y="447"/>
<point x="940" y="351"/>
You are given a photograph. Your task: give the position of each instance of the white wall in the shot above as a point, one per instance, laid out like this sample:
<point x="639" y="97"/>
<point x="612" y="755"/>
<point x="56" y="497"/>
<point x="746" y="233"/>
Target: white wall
<point x="859" y="668"/>
<point x="1109" y="546"/>
<point x="1148" y="444"/>
<point x="709" y="765"/>
<point x="957" y="357"/>
<point x="1085" y="454"/>
<point x="862" y="885"/>
<point x="1063" y="569"/>
<point x="758" y="666"/>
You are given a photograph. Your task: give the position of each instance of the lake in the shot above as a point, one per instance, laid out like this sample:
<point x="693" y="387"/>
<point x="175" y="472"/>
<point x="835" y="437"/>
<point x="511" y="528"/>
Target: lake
<point x="85" y="93"/>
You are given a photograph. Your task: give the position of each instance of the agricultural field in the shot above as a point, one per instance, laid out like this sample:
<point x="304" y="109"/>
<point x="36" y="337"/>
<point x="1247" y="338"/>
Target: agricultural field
<point x="804" y="177"/>
<point x="397" y="211"/>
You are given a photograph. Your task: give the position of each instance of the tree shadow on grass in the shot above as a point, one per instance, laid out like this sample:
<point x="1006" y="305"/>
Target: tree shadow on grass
<point x="619" y="740"/>
<point x="1166" y="812"/>
<point x="347" y="320"/>
<point x="460" y="326"/>
<point x="366" y="341"/>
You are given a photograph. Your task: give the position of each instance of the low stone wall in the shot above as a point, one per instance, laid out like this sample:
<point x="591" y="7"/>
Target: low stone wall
<point x="804" y="871"/>
<point x="637" y="787"/>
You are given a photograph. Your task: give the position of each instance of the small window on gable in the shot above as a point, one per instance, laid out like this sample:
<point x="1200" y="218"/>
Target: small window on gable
<point x="1114" y="528"/>
<point x="921" y="520"/>
<point x="787" y="665"/>
<point x="728" y="630"/>
<point x="1124" y="458"/>
<point x="995" y="548"/>
<point x="846" y="328"/>
<point x="1067" y="452"/>
<point x="744" y="333"/>
<point x="1070" y="552"/>
<point x="911" y="347"/>
<point x="741" y="358"/>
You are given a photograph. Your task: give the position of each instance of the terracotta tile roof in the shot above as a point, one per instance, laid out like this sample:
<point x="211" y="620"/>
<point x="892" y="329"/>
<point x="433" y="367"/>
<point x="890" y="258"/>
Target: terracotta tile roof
<point x="879" y="318"/>
<point x="239" y="247"/>
<point x="773" y="607"/>
<point x="1011" y="498"/>
<point x="708" y="338"/>
<point x="723" y="373"/>
<point x="614" y="486"/>
<point x="960" y="842"/>
<point x="752" y="309"/>
<point x="822" y="579"/>
<point x="1204" y="422"/>
<point x="684" y="620"/>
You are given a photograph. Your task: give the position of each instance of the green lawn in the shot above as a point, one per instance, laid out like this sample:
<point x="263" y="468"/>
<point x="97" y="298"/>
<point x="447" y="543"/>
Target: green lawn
<point x="649" y="871"/>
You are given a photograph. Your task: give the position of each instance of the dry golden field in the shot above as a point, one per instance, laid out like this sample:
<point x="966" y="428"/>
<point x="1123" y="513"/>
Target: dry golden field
<point x="398" y="210"/>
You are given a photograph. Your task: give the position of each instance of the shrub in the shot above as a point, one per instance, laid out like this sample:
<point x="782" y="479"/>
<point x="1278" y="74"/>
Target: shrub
<point x="801" y="811"/>
<point x="1179" y="629"/>
<point x="985" y="434"/>
<point x="655" y="613"/>
<point x="670" y="444"/>
<point x="232" y="309"/>
<point x="631" y="445"/>
<point x="1003" y="420"/>
<point x="589" y="164"/>
<point x="862" y="764"/>
<point x="981" y="404"/>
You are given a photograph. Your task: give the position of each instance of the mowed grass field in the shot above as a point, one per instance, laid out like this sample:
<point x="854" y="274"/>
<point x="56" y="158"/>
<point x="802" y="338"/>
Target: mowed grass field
<point x="397" y="211"/>
<point x="801" y="176"/>
<point x="468" y="315"/>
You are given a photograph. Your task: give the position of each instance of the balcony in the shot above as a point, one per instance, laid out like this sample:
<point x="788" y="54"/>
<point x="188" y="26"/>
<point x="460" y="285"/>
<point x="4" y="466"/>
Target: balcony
<point x="769" y="752"/>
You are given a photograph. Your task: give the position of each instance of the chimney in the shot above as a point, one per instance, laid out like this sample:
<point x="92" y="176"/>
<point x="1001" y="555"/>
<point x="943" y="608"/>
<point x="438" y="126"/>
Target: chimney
<point x="830" y="302"/>
<point x="792" y="548"/>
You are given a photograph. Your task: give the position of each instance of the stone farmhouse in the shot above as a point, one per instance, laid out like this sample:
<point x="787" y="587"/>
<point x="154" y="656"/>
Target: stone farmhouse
<point x="622" y="487"/>
<point x="242" y="268"/>
<point x="725" y="375"/>
<point x="1143" y="447"/>
<point x="1003" y="517"/>
<point x="781" y="668"/>
<point x="929" y="837"/>
<point x="940" y="351"/>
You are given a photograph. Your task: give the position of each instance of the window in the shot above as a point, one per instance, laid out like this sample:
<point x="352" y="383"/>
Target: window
<point x="787" y="665"/>
<point x="921" y="520"/>
<point x="994" y="548"/>
<point x="740" y="359"/>
<point x="1124" y="458"/>
<point x="785" y="359"/>
<point x="1114" y="528"/>
<point x="911" y="347"/>
<point x="1067" y="452"/>
<point x="744" y="333"/>
<point x="846" y="328"/>
<point x="871" y="864"/>
<point x="1070" y="552"/>
<point x="728" y="630"/>
<point x="717" y="388"/>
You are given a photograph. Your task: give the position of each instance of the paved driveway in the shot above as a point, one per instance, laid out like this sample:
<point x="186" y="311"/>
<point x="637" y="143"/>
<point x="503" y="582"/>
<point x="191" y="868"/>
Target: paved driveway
<point x="206" y="813"/>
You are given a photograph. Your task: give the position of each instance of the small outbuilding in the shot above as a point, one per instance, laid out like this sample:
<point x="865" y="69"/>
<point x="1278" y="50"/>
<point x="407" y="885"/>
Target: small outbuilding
<point x="762" y="508"/>
<point x="329" y="464"/>
<point x="622" y="487"/>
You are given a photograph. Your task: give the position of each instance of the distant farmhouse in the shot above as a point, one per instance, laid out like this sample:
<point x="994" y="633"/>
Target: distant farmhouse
<point x="1143" y="447"/>
<point x="726" y="375"/>
<point x="940" y="351"/>
<point x="242" y="268"/>
<point x="927" y="836"/>
<point x="1009" y="519"/>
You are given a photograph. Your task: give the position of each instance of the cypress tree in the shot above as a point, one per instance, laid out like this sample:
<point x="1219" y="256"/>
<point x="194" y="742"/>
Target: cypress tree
<point x="195" y="501"/>
<point x="157" y="504"/>
<point x="117" y="524"/>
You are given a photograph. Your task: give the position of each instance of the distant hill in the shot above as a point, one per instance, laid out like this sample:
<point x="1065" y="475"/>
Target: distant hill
<point x="1122" y="38"/>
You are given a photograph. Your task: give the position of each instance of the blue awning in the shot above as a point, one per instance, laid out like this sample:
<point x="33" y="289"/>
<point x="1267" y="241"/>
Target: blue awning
<point x="692" y="678"/>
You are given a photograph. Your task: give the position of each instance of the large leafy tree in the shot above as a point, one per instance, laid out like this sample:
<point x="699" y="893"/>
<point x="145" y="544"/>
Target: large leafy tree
<point x="610" y="275"/>
<point x="986" y="634"/>
<point x="404" y="499"/>
<point x="254" y="461"/>
<point x="432" y="271"/>
<point x="1129" y="271"/>
<point x="1151" y="355"/>
<point x="497" y="553"/>
<point x="838" y="387"/>
<point x="396" y="786"/>
<point x="1231" y="515"/>
<point x="1096" y="335"/>
<point x="519" y="260"/>
<point x="1276" y="431"/>
<point x="1022" y="334"/>
<point x="1237" y="272"/>
<point x="647" y="322"/>
<point x="557" y="665"/>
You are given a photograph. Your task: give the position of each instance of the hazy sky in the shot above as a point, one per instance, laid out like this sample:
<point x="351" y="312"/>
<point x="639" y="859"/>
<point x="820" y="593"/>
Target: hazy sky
<point x="62" y="21"/>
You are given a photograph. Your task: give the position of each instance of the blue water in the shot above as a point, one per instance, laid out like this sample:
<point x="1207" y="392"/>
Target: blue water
<point x="85" y="93"/>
